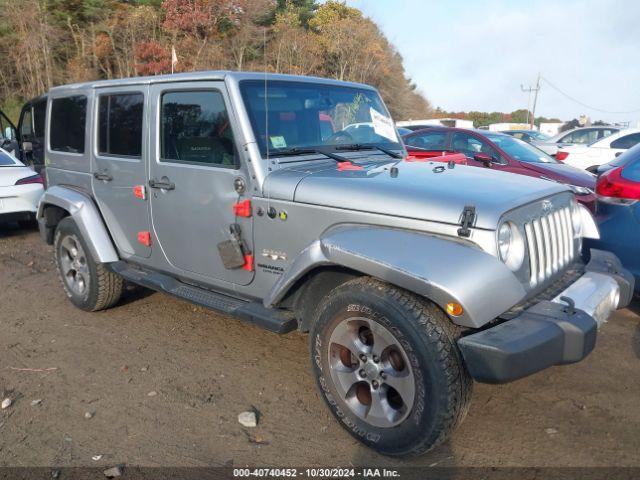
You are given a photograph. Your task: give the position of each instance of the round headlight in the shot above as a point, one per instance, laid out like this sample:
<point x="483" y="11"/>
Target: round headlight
<point x="510" y="246"/>
<point x="504" y="241"/>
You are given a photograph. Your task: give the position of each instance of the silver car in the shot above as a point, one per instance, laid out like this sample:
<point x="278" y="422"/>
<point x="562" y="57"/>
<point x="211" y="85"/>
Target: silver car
<point x="535" y="138"/>
<point x="246" y="193"/>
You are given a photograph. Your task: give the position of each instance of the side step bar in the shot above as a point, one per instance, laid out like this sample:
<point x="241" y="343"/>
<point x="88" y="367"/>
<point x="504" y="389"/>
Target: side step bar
<point x="278" y="321"/>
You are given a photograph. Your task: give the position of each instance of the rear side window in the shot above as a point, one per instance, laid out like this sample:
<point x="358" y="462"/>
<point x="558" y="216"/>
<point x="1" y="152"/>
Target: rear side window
<point x="39" y="117"/>
<point x="6" y="160"/>
<point x="68" y="123"/>
<point x="627" y="141"/>
<point x="120" y="124"/>
<point x="428" y="141"/>
<point x="195" y="129"/>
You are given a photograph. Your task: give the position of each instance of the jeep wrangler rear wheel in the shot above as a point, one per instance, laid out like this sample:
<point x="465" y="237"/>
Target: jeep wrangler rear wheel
<point x="89" y="285"/>
<point x="387" y="364"/>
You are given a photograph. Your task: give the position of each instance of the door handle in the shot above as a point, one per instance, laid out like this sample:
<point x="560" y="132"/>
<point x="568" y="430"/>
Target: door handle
<point x="162" y="185"/>
<point x="103" y="176"/>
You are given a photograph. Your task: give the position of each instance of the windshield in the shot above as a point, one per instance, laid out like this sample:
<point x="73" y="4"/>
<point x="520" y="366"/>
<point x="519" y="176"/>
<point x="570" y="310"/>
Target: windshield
<point x="539" y="136"/>
<point x="520" y="150"/>
<point x="300" y="115"/>
<point x="7" y="160"/>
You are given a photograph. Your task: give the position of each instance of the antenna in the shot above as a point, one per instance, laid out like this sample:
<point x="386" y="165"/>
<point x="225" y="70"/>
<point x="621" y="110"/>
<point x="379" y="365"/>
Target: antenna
<point x="266" y="103"/>
<point x="266" y="112"/>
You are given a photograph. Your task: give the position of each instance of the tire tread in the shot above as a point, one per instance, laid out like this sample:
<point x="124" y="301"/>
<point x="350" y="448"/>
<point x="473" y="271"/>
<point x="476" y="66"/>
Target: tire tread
<point x="441" y="333"/>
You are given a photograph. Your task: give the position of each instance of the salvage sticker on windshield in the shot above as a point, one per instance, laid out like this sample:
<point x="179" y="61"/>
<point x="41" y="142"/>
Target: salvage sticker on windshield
<point x="278" y="141"/>
<point x="382" y="125"/>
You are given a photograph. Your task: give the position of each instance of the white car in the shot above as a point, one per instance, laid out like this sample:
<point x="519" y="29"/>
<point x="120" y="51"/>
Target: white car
<point x="20" y="189"/>
<point x="590" y="157"/>
<point x="584" y="135"/>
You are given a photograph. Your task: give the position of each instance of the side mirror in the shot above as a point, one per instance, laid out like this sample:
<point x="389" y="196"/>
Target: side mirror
<point x="484" y="158"/>
<point x="27" y="147"/>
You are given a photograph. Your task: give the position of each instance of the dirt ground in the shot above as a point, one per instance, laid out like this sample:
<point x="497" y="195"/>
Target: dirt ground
<point x="206" y="368"/>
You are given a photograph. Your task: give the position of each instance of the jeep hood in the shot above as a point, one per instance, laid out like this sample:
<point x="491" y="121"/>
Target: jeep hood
<point x="419" y="190"/>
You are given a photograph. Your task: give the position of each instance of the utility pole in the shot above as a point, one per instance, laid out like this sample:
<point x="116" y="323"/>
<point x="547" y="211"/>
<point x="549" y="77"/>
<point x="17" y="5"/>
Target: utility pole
<point x="531" y="118"/>
<point x="535" y="99"/>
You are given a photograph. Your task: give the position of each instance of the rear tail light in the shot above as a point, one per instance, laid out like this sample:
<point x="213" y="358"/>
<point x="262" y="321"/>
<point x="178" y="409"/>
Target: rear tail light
<point x="562" y="155"/>
<point x="613" y="185"/>
<point x="32" y="179"/>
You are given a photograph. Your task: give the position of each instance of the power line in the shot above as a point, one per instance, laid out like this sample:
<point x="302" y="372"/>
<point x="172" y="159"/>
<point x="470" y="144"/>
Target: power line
<point x="584" y="104"/>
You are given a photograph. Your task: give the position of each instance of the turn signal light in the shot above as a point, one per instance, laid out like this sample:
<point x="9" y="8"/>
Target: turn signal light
<point x="454" y="309"/>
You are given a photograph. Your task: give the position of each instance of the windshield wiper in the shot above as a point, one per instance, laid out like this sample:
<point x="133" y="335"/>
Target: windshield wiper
<point x="359" y="146"/>
<point x="302" y="151"/>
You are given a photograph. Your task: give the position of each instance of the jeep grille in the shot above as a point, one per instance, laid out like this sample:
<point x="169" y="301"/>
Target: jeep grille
<point x="550" y="240"/>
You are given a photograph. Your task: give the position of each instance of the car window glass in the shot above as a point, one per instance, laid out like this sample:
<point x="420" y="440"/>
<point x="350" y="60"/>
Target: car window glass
<point x="627" y="141"/>
<point x="195" y="129"/>
<point x="470" y="145"/>
<point x="68" y="122"/>
<point x="26" y="123"/>
<point x="519" y="150"/>
<point x="120" y="124"/>
<point x="6" y="160"/>
<point x="39" y="117"/>
<point x="584" y="137"/>
<point x="428" y="141"/>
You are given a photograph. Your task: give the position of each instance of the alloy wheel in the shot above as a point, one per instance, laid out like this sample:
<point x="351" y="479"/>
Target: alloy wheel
<point x="73" y="265"/>
<point x="371" y="372"/>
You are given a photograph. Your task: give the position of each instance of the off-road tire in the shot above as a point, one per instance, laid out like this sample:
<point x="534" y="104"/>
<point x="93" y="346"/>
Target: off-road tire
<point x="442" y="384"/>
<point x="105" y="287"/>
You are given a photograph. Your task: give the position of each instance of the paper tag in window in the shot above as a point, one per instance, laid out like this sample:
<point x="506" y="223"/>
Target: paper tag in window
<point x="382" y="125"/>
<point x="278" y="141"/>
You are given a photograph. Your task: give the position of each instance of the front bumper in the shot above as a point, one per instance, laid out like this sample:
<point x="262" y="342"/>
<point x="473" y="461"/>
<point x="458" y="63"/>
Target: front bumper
<point x="555" y="332"/>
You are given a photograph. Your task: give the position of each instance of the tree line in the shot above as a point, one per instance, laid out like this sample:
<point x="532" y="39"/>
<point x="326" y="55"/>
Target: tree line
<point x="51" y="42"/>
<point x="484" y="119"/>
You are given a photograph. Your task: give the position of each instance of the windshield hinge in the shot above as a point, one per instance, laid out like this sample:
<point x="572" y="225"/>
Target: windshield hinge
<point x="467" y="219"/>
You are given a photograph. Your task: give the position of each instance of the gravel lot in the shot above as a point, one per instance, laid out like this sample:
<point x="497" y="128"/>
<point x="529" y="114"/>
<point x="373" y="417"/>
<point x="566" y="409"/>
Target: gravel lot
<point x="206" y="368"/>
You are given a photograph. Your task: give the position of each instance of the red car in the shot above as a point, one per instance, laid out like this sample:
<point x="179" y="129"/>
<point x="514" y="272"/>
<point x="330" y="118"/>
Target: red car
<point x="486" y="149"/>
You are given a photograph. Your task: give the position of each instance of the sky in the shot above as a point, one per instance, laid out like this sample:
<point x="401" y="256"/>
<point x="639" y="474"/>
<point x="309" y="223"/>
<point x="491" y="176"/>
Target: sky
<point x="475" y="55"/>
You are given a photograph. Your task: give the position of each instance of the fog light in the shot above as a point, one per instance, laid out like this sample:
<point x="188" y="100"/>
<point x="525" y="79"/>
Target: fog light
<point x="454" y="309"/>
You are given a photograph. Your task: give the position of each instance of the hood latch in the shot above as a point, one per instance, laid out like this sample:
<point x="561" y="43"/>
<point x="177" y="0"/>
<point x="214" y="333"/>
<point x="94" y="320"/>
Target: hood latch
<point x="467" y="219"/>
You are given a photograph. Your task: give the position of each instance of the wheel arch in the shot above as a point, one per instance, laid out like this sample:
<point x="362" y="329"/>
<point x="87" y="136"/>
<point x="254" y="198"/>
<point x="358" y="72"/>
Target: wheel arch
<point x="59" y="202"/>
<point x="435" y="268"/>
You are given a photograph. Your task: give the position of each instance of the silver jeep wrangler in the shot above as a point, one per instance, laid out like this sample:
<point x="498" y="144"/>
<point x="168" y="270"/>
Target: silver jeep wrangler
<point x="288" y="202"/>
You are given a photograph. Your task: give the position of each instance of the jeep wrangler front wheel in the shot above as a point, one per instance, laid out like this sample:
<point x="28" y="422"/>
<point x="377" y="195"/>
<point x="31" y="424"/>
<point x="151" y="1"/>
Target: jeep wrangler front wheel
<point x="89" y="285"/>
<point x="388" y="367"/>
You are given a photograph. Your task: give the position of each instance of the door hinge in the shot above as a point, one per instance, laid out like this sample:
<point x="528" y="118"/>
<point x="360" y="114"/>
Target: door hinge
<point x="144" y="238"/>
<point x="467" y="220"/>
<point x="242" y="209"/>
<point x="139" y="191"/>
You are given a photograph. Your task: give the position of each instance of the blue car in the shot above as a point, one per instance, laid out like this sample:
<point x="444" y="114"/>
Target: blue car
<point x="618" y="210"/>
